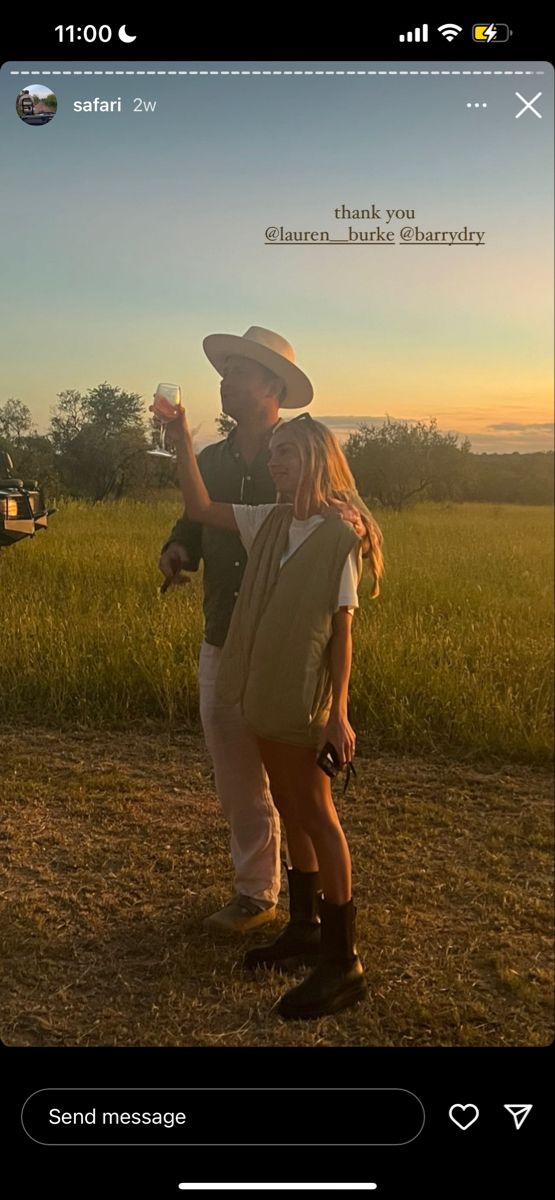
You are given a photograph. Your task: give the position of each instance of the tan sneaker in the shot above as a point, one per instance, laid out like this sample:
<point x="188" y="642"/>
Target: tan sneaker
<point x="241" y="915"/>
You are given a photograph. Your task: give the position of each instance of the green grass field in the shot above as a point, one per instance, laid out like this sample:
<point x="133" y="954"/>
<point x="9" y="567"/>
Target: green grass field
<point x="454" y="657"/>
<point x="114" y="847"/>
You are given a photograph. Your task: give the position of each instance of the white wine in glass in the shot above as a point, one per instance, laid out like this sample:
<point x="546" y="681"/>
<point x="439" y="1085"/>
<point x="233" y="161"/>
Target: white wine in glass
<point x="167" y="399"/>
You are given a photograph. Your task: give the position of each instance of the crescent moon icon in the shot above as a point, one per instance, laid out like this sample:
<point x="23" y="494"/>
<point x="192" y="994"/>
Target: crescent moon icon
<point x="124" y="36"/>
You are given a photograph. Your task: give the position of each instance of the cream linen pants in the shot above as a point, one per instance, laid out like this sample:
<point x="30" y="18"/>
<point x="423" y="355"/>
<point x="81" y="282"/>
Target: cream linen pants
<point x="242" y="786"/>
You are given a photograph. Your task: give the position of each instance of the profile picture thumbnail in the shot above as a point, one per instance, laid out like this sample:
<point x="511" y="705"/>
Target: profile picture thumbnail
<point x="36" y="104"/>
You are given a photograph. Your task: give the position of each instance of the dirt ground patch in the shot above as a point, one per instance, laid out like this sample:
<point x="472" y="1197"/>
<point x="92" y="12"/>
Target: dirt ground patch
<point x="113" y="849"/>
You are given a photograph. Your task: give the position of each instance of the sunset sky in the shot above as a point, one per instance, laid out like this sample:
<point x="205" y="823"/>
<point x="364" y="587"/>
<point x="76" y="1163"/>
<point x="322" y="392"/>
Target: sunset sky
<point x="129" y="236"/>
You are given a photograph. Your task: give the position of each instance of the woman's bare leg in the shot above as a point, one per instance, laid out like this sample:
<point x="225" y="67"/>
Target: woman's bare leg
<point x="302" y="793"/>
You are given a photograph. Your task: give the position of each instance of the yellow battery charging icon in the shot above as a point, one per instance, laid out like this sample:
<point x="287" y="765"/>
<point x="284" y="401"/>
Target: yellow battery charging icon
<point x="491" y="33"/>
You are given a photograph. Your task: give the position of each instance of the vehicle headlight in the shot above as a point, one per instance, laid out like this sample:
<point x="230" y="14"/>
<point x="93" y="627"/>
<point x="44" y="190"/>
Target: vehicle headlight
<point x="8" y="506"/>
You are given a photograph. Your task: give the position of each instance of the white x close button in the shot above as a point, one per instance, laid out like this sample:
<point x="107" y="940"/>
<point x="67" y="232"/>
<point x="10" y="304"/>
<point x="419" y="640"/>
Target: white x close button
<point x="528" y="105"/>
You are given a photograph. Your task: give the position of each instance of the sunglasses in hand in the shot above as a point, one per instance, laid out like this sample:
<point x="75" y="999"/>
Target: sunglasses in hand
<point x="329" y="762"/>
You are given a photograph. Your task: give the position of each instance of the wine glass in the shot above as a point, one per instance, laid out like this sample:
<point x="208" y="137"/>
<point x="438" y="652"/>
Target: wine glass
<point x="167" y="399"/>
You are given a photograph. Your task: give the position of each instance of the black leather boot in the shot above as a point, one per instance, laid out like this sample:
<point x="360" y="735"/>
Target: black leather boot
<point x="299" y="943"/>
<point x="337" y="981"/>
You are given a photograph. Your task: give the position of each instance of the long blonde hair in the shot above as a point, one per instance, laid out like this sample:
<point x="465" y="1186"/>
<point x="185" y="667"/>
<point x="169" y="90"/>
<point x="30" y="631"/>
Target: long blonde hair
<point x="326" y="475"/>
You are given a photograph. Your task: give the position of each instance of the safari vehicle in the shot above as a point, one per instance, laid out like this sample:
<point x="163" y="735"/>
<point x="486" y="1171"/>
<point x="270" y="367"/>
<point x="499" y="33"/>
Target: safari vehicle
<point x="22" y="505"/>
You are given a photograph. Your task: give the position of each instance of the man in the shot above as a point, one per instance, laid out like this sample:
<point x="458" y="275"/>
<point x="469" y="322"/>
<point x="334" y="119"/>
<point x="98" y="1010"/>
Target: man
<point x="259" y="376"/>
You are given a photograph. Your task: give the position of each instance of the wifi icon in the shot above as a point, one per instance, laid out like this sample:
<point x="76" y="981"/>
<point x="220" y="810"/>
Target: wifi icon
<point x="449" y="31"/>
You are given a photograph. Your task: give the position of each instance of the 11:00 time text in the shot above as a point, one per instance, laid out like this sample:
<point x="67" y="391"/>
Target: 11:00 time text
<point x="89" y="33"/>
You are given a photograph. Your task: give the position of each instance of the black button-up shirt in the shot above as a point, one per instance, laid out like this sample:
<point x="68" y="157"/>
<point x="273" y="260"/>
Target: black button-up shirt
<point x="230" y="479"/>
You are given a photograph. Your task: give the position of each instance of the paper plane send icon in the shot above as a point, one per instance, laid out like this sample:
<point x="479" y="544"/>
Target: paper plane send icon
<point x="519" y="1112"/>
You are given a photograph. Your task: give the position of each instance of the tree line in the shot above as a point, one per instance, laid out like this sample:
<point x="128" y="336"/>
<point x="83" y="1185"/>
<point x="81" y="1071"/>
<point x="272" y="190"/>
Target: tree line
<point x="96" y="443"/>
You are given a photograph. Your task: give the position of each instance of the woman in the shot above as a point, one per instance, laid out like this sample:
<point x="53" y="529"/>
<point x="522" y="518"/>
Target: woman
<point x="287" y="659"/>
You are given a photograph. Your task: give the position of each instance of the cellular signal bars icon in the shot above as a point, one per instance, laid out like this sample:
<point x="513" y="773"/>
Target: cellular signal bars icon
<point x="416" y="35"/>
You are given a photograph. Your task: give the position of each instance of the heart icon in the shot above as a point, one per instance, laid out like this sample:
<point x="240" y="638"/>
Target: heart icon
<point x="466" y="1118"/>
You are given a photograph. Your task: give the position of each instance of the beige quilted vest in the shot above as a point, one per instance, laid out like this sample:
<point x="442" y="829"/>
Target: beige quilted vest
<point x="276" y="657"/>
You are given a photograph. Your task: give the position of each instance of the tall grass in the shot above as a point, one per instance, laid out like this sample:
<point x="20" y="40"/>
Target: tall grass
<point x="454" y="656"/>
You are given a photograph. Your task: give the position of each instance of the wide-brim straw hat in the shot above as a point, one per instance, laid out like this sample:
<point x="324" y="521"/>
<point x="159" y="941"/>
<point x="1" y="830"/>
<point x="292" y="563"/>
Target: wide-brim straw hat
<point x="271" y="351"/>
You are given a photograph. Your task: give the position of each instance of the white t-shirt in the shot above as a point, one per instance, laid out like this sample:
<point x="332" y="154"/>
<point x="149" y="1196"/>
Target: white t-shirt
<point x="250" y="517"/>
